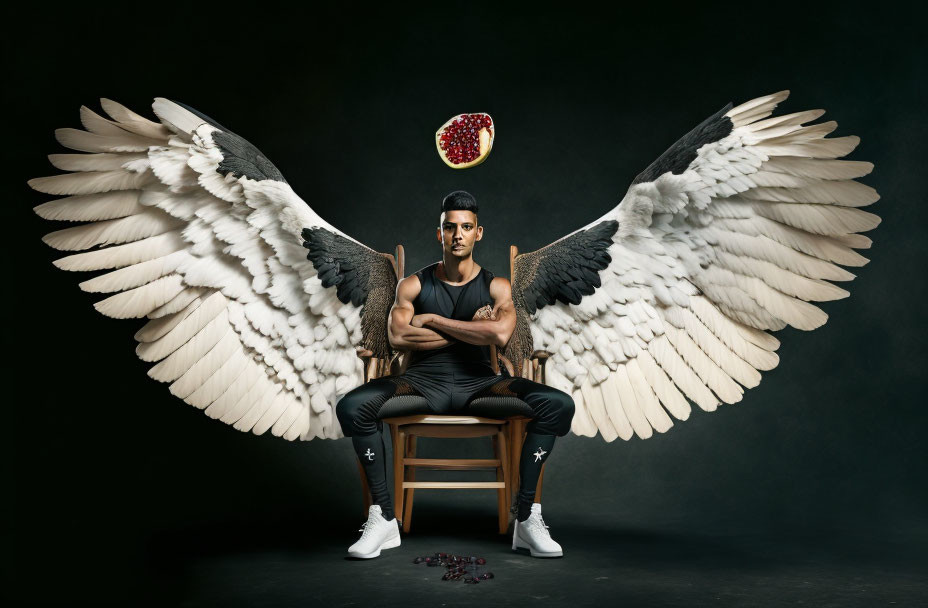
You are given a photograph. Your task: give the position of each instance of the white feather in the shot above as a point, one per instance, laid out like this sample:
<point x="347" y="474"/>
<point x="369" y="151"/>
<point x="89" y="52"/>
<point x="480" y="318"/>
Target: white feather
<point x="613" y="405"/>
<point x="75" y="139"/>
<point x="185" y="357"/>
<point x="149" y="222"/>
<point x="133" y="122"/>
<point x="182" y="331"/>
<point x="220" y="381"/>
<point x="134" y="276"/>
<point x="91" y="207"/>
<point x="206" y="365"/>
<point x="140" y="301"/>
<point x="179" y="302"/>
<point x="593" y="400"/>
<point x="156" y="328"/>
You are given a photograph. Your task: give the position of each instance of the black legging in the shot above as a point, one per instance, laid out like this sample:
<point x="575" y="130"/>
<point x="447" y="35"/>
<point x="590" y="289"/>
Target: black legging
<point x="358" y="410"/>
<point x="553" y="409"/>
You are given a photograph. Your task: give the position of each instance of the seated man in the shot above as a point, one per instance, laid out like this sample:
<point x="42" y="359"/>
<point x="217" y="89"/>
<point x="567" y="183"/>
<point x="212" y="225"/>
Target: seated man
<point x="447" y="314"/>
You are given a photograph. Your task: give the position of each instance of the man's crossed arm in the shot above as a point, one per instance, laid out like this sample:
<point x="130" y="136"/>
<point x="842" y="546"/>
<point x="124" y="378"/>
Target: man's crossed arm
<point x="408" y="331"/>
<point x="497" y="329"/>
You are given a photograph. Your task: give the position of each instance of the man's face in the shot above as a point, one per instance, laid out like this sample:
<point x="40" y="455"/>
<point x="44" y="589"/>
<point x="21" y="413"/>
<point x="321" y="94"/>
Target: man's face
<point x="458" y="232"/>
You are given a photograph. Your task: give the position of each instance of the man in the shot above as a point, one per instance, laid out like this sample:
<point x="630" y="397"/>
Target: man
<point x="447" y="315"/>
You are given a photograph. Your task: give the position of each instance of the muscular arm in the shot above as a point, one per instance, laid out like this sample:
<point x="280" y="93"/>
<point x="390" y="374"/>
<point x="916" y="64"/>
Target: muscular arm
<point x="401" y="334"/>
<point x="496" y="330"/>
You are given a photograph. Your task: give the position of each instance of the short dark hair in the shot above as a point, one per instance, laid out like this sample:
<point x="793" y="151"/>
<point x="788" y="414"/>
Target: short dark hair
<point x="459" y="200"/>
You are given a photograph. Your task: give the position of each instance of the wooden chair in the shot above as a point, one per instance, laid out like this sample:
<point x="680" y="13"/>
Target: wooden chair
<point x="409" y="418"/>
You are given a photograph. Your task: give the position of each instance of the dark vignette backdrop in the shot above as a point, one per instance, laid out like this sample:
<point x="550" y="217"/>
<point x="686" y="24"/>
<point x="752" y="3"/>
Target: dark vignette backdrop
<point x="108" y="473"/>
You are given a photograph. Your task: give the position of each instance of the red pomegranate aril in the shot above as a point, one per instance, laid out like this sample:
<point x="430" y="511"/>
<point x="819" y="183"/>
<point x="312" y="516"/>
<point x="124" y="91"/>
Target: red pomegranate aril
<point x="465" y="140"/>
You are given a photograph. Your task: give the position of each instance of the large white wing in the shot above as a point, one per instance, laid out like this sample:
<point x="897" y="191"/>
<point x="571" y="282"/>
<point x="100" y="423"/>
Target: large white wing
<point x="669" y="297"/>
<point x="256" y="304"/>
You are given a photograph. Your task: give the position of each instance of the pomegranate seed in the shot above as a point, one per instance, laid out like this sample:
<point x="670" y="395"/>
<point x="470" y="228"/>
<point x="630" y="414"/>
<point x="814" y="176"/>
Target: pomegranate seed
<point x="459" y="141"/>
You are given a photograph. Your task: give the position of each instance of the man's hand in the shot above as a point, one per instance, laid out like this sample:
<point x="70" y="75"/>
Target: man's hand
<point x="485" y="314"/>
<point x="421" y="320"/>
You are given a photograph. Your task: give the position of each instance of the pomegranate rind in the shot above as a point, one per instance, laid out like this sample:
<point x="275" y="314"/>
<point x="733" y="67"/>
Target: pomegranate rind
<point x="486" y="138"/>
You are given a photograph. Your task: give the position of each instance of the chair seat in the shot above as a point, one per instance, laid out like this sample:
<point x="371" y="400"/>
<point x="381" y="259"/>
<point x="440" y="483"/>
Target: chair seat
<point x="485" y="407"/>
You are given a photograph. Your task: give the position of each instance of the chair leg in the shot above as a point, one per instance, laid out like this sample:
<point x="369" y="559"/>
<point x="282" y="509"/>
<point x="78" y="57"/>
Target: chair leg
<point x="513" y="427"/>
<point x="494" y="441"/>
<point x="365" y="489"/>
<point x="500" y="446"/>
<point x="410" y="476"/>
<point x="396" y="485"/>
<point x="399" y="452"/>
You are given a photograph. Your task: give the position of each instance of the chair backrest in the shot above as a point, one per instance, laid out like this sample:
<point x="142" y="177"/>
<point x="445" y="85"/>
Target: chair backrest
<point x="399" y="262"/>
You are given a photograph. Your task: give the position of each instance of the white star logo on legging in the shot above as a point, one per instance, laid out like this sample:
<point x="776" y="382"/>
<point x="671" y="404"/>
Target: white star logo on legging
<point x="538" y="454"/>
<point x="369" y="454"/>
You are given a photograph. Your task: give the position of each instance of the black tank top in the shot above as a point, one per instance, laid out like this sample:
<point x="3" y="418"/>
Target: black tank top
<point x="458" y="302"/>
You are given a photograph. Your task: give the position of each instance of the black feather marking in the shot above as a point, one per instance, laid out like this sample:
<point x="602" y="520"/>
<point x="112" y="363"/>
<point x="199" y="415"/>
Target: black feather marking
<point x="567" y="269"/>
<point x="678" y="157"/>
<point x="361" y="276"/>
<point x="239" y="157"/>
<point x="564" y="271"/>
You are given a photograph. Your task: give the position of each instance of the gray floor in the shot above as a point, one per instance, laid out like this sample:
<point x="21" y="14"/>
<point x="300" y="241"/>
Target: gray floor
<point x="637" y="566"/>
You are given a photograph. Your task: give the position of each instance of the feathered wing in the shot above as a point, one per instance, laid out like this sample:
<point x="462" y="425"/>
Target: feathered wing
<point x="669" y="297"/>
<point x="255" y="304"/>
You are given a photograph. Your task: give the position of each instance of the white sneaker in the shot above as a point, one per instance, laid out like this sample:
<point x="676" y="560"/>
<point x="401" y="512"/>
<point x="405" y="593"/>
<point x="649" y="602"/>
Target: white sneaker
<point x="532" y="534"/>
<point x="378" y="534"/>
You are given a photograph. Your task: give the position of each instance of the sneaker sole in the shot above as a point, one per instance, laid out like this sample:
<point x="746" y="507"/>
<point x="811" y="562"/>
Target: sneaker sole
<point x="387" y="544"/>
<point x="517" y="546"/>
<point x="534" y="553"/>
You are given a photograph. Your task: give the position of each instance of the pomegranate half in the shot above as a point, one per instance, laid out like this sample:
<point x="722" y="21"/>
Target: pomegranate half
<point x="465" y="140"/>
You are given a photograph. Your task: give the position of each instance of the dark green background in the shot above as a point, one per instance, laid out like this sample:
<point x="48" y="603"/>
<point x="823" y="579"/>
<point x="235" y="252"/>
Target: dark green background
<point x="110" y="474"/>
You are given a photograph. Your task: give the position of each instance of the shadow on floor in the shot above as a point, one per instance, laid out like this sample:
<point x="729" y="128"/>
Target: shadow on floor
<point x="291" y="562"/>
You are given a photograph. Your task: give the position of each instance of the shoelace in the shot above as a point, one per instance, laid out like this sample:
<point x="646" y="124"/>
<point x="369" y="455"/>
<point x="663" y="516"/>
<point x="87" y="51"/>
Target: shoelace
<point x="364" y="529"/>
<point x="541" y="521"/>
